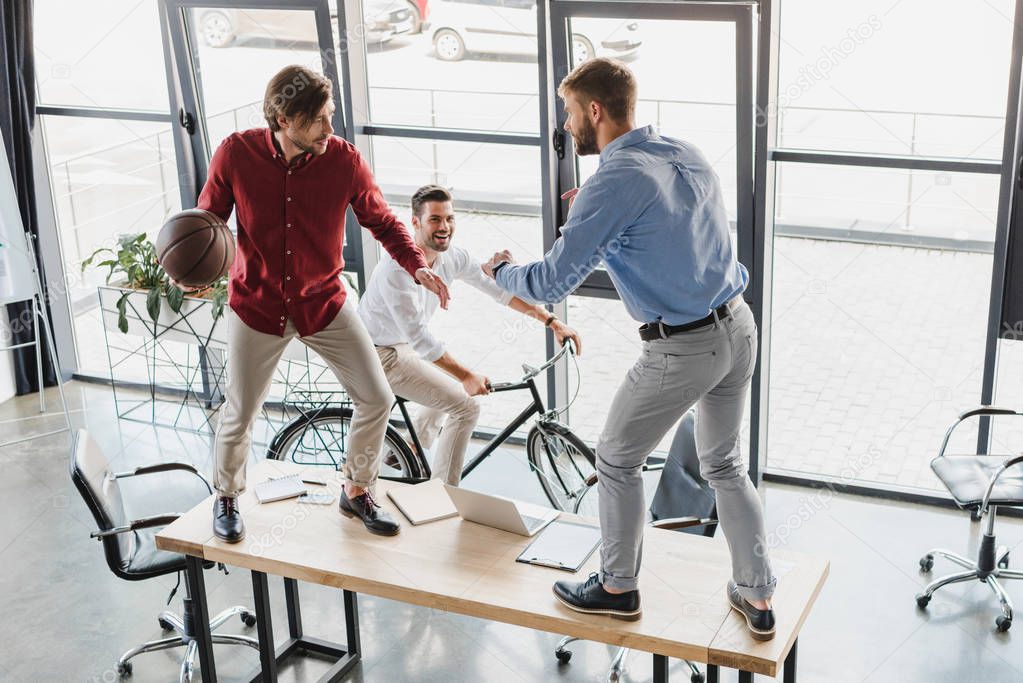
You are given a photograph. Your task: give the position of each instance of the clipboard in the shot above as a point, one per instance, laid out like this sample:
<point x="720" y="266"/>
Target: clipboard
<point x="562" y="545"/>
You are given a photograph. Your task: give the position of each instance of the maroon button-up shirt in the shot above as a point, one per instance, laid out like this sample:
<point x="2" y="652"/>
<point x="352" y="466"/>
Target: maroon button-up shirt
<point x="291" y="227"/>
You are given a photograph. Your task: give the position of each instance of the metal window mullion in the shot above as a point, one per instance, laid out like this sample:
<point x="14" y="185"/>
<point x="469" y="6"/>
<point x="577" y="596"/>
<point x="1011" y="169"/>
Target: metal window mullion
<point x="1007" y="197"/>
<point x="364" y="253"/>
<point x="914" y="163"/>
<point x="97" y="113"/>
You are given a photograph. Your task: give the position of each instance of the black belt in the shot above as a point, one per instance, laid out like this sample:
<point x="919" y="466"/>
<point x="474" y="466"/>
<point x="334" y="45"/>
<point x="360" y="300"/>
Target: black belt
<point x="658" y="330"/>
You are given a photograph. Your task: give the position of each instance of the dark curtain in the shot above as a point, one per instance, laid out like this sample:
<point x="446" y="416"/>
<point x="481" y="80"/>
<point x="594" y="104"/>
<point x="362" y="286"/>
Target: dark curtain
<point x="17" y="117"/>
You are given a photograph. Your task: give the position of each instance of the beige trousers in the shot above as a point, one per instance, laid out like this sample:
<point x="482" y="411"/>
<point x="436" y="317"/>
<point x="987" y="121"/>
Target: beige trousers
<point x="447" y="410"/>
<point x="252" y="357"/>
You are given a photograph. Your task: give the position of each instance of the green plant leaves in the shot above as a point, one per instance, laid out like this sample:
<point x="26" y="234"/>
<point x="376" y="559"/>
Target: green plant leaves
<point x="175" y="297"/>
<point x="153" y="303"/>
<point x="122" y="317"/>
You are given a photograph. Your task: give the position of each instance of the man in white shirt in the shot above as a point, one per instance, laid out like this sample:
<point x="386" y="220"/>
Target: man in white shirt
<point x="418" y="366"/>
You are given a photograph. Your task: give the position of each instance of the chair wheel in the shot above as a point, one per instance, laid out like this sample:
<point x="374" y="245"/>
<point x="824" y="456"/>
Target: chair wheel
<point x="165" y="625"/>
<point x="1003" y="623"/>
<point x="614" y="677"/>
<point x="927" y="563"/>
<point x="1004" y="564"/>
<point x="249" y="619"/>
<point x="975" y="515"/>
<point x="124" y="669"/>
<point x="922" y="600"/>
<point x="697" y="678"/>
<point x="564" y="656"/>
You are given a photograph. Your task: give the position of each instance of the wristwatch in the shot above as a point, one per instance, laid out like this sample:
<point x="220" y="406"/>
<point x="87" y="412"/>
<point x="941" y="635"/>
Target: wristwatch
<point x="498" y="266"/>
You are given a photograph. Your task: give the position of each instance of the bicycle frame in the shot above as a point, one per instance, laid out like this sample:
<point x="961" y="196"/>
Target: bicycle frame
<point x="537" y="407"/>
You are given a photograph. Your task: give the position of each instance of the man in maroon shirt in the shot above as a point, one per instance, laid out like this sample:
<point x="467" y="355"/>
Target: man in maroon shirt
<point x="290" y="185"/>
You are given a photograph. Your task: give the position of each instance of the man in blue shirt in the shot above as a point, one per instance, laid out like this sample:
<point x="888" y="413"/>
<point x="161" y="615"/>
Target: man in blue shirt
<point x="652" y="213"/>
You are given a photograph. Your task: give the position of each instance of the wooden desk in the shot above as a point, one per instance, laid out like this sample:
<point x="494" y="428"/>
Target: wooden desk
<point x="458" y="566"/>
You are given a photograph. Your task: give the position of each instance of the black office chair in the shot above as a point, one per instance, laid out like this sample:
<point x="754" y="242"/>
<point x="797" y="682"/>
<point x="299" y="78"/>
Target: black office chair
<point x="683" y="501"/>
<point x="130" y="546"/>
<point x="981" y="484"/>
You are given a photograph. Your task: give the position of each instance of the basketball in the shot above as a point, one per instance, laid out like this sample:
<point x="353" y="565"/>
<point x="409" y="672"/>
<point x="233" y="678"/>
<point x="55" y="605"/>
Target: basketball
<point x="195" y="248"/>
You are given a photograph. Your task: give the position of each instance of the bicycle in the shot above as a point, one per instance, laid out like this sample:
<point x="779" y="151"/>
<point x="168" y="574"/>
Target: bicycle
<point x="564" y="465"/>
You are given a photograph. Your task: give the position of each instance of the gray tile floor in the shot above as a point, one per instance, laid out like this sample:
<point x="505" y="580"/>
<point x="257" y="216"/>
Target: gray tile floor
<point x="67" y="618"/>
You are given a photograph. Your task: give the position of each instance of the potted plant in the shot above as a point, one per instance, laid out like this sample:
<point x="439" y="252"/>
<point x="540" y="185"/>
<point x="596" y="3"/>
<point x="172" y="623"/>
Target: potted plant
<point x="136" y="302"/>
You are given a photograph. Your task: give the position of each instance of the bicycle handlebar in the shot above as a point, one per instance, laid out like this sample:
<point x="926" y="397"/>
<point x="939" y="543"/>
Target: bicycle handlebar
<point x="533" y="372"/>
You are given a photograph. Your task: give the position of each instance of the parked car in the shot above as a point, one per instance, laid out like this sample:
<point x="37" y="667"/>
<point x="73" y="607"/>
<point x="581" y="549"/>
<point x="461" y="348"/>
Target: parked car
<point x="384" y="20"/>
<point x="509" y="26"/>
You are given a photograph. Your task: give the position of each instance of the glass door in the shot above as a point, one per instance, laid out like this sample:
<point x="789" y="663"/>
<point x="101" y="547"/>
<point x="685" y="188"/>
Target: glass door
<point x="694" y="70"/>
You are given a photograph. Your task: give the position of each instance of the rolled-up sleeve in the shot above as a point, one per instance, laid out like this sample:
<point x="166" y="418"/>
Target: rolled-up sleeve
<point x="598" y="217"/>
<point x="401" y="298"/>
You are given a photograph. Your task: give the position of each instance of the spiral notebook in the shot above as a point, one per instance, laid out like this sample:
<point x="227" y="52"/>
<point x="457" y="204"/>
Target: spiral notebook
<point x="280" y="488"/>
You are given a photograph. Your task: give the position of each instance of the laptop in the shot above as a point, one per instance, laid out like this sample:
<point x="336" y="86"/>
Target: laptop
<point x="499" y="512"/>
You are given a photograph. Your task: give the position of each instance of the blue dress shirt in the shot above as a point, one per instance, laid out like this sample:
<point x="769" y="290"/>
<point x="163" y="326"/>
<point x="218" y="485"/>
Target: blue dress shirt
<point x="653" y="214"/>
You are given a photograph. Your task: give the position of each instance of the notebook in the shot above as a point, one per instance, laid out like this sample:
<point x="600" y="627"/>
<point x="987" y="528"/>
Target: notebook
<point x="280" y="488"/>
<point x="562" y="545"/>
<point x="422" y="503"/>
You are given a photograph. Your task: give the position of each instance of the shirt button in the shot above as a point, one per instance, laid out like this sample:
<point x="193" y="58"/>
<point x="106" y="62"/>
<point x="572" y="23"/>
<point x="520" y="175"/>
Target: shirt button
<point x="289" y="225"/>
<point x="289" y="199"/>
<point x="287" y="277"/>
<point x="289" y="172"/>
<point x="289" y="251"/>
<point x="287" y="301"/>
<point x="282" y="317"/>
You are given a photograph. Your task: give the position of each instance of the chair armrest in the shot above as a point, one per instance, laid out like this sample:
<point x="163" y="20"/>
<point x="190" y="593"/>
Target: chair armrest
<point x="163" y="467"/>
<point x="1011" y="462"/>
<point x="144" y="523"/>
<point x="681" y="522"/>
<point x="988" y="411"/>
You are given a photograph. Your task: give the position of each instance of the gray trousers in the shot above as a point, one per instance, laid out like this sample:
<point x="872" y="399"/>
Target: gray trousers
<point x="711" y="368"/>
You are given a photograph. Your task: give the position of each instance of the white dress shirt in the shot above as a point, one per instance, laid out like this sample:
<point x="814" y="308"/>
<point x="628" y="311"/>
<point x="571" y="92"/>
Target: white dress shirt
<point x="396" y="310"/>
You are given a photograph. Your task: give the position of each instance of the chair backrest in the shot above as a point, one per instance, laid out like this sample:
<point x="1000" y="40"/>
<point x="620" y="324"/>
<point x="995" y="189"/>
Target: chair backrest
<point x="681" y="491"/>
<point x="91" y="475"/>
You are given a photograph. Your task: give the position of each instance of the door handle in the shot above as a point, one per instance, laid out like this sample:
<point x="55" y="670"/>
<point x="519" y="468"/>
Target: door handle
<point x="559" y="143"/>
<point x="187" y="121"/>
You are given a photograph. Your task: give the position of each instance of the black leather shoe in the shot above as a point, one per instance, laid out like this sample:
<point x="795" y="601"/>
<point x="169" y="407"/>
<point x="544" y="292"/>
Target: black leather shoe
<point x="759" y="621"/>
<point x="372" y="515"/>
<point x="227" y="520"/>
<point x="590" y="597"/>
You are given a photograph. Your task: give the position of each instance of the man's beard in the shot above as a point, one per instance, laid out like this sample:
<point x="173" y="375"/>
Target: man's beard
<point x="307" y="148"/>
<point x="443" y="246"/>
<point x="585" y="139"/>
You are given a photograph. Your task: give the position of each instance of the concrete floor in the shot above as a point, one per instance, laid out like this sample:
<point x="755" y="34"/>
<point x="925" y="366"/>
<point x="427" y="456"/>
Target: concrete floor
<point x="67" y="618"/>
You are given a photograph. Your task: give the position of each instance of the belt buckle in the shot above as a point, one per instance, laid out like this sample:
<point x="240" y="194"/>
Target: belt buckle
<point x="660" y="329"/>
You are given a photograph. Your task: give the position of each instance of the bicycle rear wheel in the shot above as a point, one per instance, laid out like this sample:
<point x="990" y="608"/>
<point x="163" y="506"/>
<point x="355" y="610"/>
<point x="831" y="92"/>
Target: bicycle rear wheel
<point x="562" y="463"/>
<point x="321" y="438"/>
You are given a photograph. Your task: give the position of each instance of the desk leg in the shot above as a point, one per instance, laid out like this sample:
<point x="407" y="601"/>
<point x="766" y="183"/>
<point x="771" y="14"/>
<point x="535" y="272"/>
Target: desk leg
<point x="660" y="669"/>
<point x="713" y="673"/>
<point x="352" y="624"/>
<point x="745" y="677"/>
<point x="203" y="638"/>
<point x="294" y="608"/>
<point x="264" y="627"/>
<point x="790" y="664"/>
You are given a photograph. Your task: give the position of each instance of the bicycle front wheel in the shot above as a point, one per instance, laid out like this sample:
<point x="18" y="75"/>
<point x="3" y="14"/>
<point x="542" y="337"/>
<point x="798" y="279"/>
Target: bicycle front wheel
<point x="321" y="438"/>
<point x="563" y="464"/>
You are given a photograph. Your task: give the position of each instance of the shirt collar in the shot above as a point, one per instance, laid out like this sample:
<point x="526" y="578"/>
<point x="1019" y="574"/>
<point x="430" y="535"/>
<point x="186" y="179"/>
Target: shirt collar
<point x="633" y="137"/>
<point x="271" y="145"/>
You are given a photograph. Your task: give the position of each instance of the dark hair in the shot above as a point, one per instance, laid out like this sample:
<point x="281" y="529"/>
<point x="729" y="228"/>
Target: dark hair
<point x="606" y="81"/>
<point x="428" y="193"/>
<point x="295" y="92"/>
